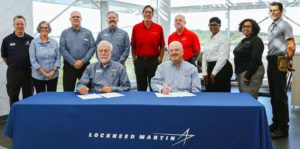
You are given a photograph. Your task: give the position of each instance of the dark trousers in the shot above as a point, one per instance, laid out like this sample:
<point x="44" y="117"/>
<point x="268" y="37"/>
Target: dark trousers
<point x="71" y="75"/>
<point x="45" y="85"/>
<point x="278" y="91"/>
<point x="144" y="70"/>
<point x="222" y="80"/>
<point x="17" y="79"/>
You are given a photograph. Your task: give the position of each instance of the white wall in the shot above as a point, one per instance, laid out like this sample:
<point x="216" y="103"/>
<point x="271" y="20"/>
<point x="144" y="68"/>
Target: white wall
<point x="9" y="9"/>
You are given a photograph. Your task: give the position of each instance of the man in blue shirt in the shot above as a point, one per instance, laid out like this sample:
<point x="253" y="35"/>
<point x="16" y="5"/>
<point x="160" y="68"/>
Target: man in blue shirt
<point x="118" y="37"/>
<point x="104" y="76"/>
<point x="176" y="75"/>
<point x="15" y="53"/>
<point x="77" y="45"/>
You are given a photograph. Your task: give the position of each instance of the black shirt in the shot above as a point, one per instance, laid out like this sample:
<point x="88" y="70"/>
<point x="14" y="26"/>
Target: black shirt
<point x="16" y="51"/>
<point x="248" y="55"/>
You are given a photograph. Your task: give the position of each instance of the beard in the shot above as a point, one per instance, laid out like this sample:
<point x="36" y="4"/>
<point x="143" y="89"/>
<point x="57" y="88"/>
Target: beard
<point x="104" y="60"/>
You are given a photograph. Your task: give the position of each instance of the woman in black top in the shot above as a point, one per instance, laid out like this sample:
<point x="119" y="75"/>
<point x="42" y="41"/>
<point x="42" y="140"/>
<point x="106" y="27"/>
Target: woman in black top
<point x="247" y="58"/>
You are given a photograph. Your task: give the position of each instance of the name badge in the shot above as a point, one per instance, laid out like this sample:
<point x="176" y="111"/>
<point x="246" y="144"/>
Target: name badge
<point x="98" y="71"/>
<point x="105" y="34"/>
<point x="12" y="44"/>
<point x="85" y="39"/>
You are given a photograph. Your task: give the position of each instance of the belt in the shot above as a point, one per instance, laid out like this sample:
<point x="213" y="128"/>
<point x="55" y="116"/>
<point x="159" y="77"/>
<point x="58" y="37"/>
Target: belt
<point x="19" y="69"/>
<point x="148" y="57"/>
<point x="272" y="57"/>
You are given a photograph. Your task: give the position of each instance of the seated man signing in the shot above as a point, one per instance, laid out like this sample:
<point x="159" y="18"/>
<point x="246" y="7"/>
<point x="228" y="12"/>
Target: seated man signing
<point x="176" y="74"/>
<point x="104" y="76"/>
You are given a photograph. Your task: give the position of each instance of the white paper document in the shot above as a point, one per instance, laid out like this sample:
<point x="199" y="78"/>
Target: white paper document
<point x="175" y="94"/>
<point x="111" y="95"/>
<point x="89" y="96"/>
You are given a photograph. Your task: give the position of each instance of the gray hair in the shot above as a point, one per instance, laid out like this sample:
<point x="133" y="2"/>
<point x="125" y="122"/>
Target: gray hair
<point x="38" y="29"/>
<point x="180" y="15"/>
<point x="105" y="42"/>
<point x="177" y="43"/>
<point x="112" y="12"/>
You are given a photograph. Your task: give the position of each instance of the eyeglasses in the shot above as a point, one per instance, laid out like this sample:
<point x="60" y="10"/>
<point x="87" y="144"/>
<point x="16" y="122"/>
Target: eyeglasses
<point x="76" y="17"/>
<point x="246" y="26"/>
<point x="44" y="27"/>
<point x="213" y="25"/>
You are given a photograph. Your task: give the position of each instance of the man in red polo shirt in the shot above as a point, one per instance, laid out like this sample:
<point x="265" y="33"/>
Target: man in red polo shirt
<point x="187" y="38"/>
<point x="147" y="42"/>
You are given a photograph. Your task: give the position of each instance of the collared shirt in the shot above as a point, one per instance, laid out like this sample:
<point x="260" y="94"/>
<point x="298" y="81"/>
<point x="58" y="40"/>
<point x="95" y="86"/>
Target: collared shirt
<point x="248" y="55"/>
<point x="120" y="41"/>
<point x="77" y="45"/>
<point x="217" y="48"/>
<point x="45" y="55"/>
<point x="147" y="41"/>
<point x="278" y="33"/>
<point x="184" y="78"/>
<point x="16" y="51"/>
<point x="113" y="75"/>
<point x="189" y="41"/>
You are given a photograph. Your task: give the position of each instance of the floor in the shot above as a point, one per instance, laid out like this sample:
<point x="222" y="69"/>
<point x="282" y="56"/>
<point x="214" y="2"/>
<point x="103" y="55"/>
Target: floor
<point x="292" y="142"/>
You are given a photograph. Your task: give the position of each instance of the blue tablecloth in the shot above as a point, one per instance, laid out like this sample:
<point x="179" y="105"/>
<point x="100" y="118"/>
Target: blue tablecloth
<point x="139" y="120"/>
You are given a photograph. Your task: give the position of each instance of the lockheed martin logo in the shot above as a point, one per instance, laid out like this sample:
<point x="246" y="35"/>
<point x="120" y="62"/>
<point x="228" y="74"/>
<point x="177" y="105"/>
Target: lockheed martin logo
<point x="169" y="137"/>
<point x="180" y="137"/>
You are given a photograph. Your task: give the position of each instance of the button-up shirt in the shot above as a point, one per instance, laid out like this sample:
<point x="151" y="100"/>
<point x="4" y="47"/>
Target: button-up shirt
<point x="97" y="76"/>
<point x="120" y="41"/>
<point x="183" y="78"/>
<point x="45" y="55"/>
<point x="77" y="45"/>
<point x="189" y="40"/>
<point x="217" y="48"/>
<point x="278" y="33"/>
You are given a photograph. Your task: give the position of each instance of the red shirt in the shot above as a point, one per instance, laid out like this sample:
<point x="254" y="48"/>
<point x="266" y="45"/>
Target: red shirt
<point x="147" y="41"/>
<point x="189" y="41"/>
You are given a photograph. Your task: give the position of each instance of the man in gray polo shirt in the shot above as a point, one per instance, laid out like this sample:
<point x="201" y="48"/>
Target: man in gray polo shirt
<point x="118" y="37"/>
<point x="281" y="42"/>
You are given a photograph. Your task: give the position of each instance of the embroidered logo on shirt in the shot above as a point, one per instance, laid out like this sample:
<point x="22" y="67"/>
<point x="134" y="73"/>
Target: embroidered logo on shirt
<point x="27" y="43"/>
<point x="184" y="38"/>
<point x="114" y="71"/>
<point x="12" y="44"/>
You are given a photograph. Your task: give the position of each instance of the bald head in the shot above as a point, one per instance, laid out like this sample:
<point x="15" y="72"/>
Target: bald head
<point x="179" y="22"/>
<point x="175" y="52"/>
<point x="75" y="18"/>
<point x="176" y="44"/>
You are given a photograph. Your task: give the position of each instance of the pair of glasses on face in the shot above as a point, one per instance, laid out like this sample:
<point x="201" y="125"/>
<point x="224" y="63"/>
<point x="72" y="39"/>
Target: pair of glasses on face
<point x="213" y="25"/>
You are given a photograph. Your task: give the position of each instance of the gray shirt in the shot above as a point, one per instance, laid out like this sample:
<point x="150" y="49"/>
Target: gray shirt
<point x="278" y="33"/>
<point x="184" y="78"/>
<point x="113" y="75"/>
<point x="120" y="41"/>
<point x="77" y="45"/>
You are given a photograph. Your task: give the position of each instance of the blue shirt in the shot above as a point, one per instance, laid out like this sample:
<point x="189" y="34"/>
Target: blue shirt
<point x="113" y="75"/>
<point x="184" y="78"/>
<point x="278" y="33"/>
<point x="45" y="55"/>
<point x="120" y="41"/>
<point x="77" y="45"/>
